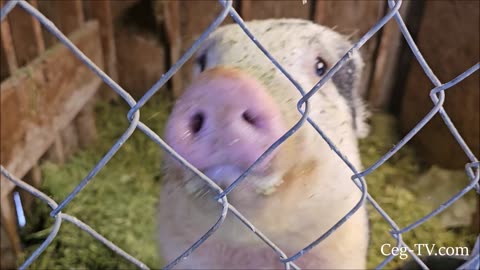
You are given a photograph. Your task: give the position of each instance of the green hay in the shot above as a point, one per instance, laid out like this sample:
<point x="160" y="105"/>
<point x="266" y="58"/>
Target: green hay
<point x="390" y="185"/>
<point x="120" y="202"/>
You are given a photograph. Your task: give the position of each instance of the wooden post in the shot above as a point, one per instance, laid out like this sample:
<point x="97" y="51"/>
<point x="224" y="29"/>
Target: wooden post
<point x="8" y="60"/>
<point x="71" y="15"/>
<point x="386" y="63"/>
<point x="171" y="11"/>
<point x="82" y="132"/>
<point x="48" y="9"/>
<point x="9" y="220"/>
<point x="26" y="34"/>
<point x="101" y="10"/>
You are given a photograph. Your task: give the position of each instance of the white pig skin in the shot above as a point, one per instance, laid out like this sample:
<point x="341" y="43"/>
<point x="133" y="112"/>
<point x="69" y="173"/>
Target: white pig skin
<point x="309" y="188"/>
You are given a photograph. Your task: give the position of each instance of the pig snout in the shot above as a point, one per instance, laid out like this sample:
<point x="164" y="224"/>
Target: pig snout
<point x="224" y="122"/>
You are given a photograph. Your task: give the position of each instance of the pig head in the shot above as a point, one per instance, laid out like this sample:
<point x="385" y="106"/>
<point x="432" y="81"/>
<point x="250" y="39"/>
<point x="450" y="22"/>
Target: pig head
<point x="236" y="107"/>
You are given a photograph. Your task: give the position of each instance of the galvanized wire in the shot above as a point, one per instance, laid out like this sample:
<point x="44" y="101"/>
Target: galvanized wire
<point x="437" y="95"/>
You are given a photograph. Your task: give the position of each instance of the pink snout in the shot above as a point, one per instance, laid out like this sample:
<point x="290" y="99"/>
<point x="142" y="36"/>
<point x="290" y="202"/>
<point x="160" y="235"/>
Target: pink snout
<point x="223" y="122"/>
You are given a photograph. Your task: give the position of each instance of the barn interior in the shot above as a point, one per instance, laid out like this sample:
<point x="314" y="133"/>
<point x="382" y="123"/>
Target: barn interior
<point x="58" y="119"/>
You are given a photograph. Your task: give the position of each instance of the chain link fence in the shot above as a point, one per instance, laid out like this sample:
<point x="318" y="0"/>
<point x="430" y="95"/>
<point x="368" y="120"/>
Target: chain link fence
<point x="437" y="95"/>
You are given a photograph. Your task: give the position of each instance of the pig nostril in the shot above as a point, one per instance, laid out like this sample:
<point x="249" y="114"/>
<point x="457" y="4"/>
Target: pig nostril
<point x="196" y="123"/>
<point x="250" y="118"/>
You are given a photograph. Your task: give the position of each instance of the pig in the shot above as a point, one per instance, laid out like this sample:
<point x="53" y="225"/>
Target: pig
<point x="237" y="105"/>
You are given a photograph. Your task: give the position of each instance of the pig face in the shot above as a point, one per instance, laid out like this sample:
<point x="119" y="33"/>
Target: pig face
<point x="239" y="104"/>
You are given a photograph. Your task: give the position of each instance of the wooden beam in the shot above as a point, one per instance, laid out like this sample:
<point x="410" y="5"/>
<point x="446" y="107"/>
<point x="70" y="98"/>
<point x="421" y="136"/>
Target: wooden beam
<point x="43" y="98"/>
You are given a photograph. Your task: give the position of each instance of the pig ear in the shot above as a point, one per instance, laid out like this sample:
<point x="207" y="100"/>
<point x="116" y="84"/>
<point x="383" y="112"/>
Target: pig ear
<point x="347" y="81"/>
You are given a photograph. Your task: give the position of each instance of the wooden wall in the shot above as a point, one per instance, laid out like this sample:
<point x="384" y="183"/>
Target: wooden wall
<point x="47" y="94"/>
<point x="350" y="17"/>
<point x="448" y="37"/>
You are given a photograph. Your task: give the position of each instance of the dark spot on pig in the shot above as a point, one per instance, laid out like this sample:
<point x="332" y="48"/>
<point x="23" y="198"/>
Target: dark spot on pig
<point x="268" y="29"/>
<point x="243" y="58"/>
<point x="344" y="79"/>
<point x="313" y="40"/>
<point x="232" y="42"/>
<point x="289" y="25"/>
<point x="303" y="23"/>
<point x="321" y="93"/>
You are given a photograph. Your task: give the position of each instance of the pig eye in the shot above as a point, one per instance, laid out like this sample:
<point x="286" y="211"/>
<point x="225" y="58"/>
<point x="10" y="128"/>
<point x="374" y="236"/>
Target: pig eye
<point x="320" y="66"/>
<point x="201" y="61"/>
